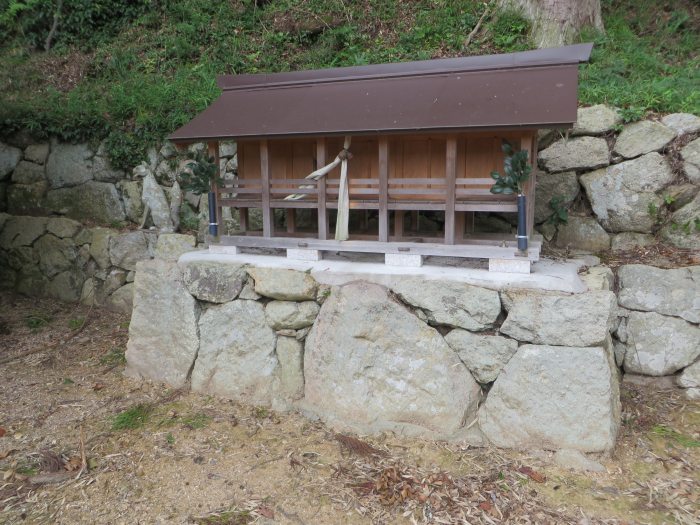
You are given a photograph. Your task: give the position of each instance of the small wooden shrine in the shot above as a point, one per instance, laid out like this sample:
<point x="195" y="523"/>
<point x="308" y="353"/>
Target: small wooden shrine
<point x="382" y="143"/>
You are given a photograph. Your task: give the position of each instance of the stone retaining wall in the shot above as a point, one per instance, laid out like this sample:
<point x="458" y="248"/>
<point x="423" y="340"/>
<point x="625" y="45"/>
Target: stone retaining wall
<point x="521" y="369"/>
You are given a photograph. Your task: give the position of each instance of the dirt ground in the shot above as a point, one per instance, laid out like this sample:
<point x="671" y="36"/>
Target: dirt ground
<point x="79" y="443"/>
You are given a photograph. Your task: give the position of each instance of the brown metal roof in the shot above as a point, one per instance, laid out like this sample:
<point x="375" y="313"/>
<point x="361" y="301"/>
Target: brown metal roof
<point x="530" y="89"/>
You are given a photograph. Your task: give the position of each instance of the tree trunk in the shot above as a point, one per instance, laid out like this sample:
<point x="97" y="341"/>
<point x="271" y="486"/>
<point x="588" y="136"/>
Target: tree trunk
<point x="557" y="22"/>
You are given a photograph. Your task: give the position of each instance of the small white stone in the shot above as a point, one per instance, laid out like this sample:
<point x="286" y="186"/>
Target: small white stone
<point x="509" y="265"/>
<point x="403" y="259"/>
<point x="301" y="254"/>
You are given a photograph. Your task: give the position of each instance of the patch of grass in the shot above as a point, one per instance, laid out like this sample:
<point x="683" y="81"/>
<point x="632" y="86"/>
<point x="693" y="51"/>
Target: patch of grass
<point x="681" y="439"/>
<point x="116" y="356"/>
<point x="195" y="421"/>
<point x="170" y="439"/>
<point x="226" y="517"/>
<point x="36" y="321"/>
<point x="76" y="323"/>
<point x="132" y="418"/>
<point x="68" y="381"/>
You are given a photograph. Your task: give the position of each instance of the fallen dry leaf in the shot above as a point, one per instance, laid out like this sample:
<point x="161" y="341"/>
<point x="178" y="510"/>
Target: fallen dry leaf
<point x="485" y="506"/>
<point x="97" y="386"/>
<point x="533" y="474"/>
<point x="266" y="512"/>
<point x="2" y="432"/>
<point x="3" y="455"/>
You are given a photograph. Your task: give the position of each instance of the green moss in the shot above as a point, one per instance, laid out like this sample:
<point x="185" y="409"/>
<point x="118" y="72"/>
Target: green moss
<point x="132" y="418"/>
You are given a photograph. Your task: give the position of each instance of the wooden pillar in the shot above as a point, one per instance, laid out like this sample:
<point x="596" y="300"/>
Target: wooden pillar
<point x="321" y="188"/>
<point x="459" y="226"/>
<point x="528" y="143"/>
<point x="383" y="189"/>
<point x="398" y="223"/>
<point x="213" y="151"/>
<point x="268" y="224"/>
<point x="450" y="189"/>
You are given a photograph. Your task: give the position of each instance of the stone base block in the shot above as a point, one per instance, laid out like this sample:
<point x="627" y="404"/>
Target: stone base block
<point x="301" y="254"/>
<point x="229" y="250"/>
<point x="509" y="265"/>
<point x="403" y="259"/>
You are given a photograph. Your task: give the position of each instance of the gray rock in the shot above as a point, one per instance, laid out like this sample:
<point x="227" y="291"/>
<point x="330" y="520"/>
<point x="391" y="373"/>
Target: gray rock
<point x="690" y="377"/>
<point x="562" y="185"/>
<point x="248" y="291"/>
<point x="227" y="148"/>
<point x="62" y="227"/>
<point x="673" y="292"/>
<point x="122" y="299"/>
<point x="28" y="173"/>
<point x="166" y="173"/>
<point x="22" y="231"/>
<point x="598" y="278"/>
<point x="285" y="285"/>
<point x="99" y="247"/>
<point x="568" y="320"/>
<point x="236" y="354"/>
<point x="9" y="158"/>
<point x="288" y="385"/>
<point x="691" y="160"/>
<point x="171" y="246"/>
<point x="484" y="355"/>
<point x="26" y="199"/>
<point x="631" y="240"/>
<point x="3" y="219"/>
<point x="658" y="345"/>
<point x="163" y="333"/>
<point x="31" y="282"/>
<point x="692" y="393"/>
<point x="69" y="165"/>
<point x="88" y="295"/>
<point x="596" y="120"/>
<point x="168" y="150"/>
<point x="154" y="197"/>
<point x="682" y="123"/>
<point x="575" y="154"/>
<point x="66" y="286"/>
<point x="621" y="195"/>
<point x="679" y="195"/>
<point x="23" y="258"/>
<point x="657" y="383"/>
<point x="55" y="254"/>
<point x="582" y="233"/>
<point x="214" y="282"/>
<point x="554" y="397"/>
<point x="643" y="137"/>
<point x="37" y="153"/>
<point x="3" y="197"/>
<point x="103" y="171"/>
<point x="683" y="229"/>
<point x="97" y="201"/>
<point x="131" y="191"/>
<point x="126" y="249"/>
<point x="291" y="314"/>
<point x="450" y="303"/>
<point x="115" y="280"/>
<point x="575" y="460"/>
<point x="371" y="365"/>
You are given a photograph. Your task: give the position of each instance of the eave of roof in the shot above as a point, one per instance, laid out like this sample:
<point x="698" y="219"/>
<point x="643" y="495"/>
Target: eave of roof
<point x="531" y="89"/>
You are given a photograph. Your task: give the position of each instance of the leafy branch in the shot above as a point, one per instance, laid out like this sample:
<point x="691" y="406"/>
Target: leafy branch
<point x="200" y="173"/>
<point x="516" y="172"/>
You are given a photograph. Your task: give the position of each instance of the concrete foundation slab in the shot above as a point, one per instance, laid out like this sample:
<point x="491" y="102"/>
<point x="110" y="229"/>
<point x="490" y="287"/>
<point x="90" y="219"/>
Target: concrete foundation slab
<point x="405" y="260"/>
<point x="300" y="254"/>
<point x="509" y="265"/>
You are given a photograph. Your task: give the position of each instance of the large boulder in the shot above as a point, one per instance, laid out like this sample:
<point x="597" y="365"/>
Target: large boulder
<point x="22" y="231"/>
<point x="563" y="186"/>
<point x="97" y="201"/>
<point x="683" y="228"/>
<point x="213" y="281"/>
<point x="171" y="246"/>
<point x="55" y="254"/>
<point x="371" y="365"/>
<point x="66" y="286"/>
<point x="282" y="284"/>
<point x="682" y="123"/>
<point x="288" y="383"/>
<point x="163" y="333"/>
<point x="582" y="233"/>
<point x="69" y="165"/>
<point x="484" y="355"/>
<point x="658" y="345"/>
<point x="631" y="240"/>
<point x="579" y="153"/>
<point x="554" y="397"/>
<point x="99" y="246"/>
<point x="568" y="320"/>
<point x="453" y="304"/>
<point x="153" y="196"/>
<point x="37" y="153"/>
<point x="622" y="195"/>
<point x="122" y="299"/>
<point x="673" y="292"/>
<point x="62" y="227"/>
<point x="291" y="315"/>
<point x="690" y="377"/>
<point x="236" y="353"/>
<point x="691" y="160"/>
<point x="131" y="191"/>
<point x="595" y="120"/>
<point x="643" y="137"/>
<point x="28" y="173"/>
<point x="127" y="249"/>
<point x="9" y="158"/>
<point x="26" y="199"/>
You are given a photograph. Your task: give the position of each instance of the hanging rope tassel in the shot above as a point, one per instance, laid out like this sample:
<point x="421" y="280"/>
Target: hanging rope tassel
<point x="341" y="224"/>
